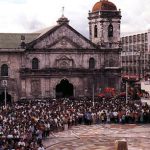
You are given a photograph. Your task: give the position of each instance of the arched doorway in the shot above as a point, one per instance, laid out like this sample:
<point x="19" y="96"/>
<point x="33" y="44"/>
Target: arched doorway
<point x="64" y="89"/>
<point x="2" y="98"/>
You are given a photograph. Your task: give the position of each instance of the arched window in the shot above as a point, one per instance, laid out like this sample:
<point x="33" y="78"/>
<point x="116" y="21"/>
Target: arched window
<point x="91" y="63"/>
<point x="35" y="63"/>
<point x="4" y="70"/>
<point x="110" y="30"/>
<point x="95" y="31"/>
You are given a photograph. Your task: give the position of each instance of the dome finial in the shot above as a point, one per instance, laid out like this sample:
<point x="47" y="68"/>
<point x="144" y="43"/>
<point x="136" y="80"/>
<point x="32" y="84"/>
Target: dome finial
<point x="62" y="19"/>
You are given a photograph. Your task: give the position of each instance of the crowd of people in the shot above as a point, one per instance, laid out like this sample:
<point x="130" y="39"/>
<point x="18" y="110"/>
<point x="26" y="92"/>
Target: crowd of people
<point x="24" y="124"/>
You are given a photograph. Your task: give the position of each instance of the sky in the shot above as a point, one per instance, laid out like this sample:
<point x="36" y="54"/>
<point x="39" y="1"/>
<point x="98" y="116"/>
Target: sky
<point x="21" y="16"/>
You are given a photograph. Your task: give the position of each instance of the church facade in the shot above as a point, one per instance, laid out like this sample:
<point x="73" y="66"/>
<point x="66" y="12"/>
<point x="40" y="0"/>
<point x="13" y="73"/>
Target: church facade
<point x="59" y="61"/>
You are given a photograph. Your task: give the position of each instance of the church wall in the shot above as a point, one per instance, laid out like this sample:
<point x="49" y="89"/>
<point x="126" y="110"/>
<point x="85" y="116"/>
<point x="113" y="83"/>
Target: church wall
<point x="82" y="85"/>
<point x="40" y="57"/>
<point x="13" y="60"/>
<point x="75" y="81"/>
<point x="48" y="86"/>
<point x="28" y="87"/>
<point x="67" y="54"/>
<point x="80" y="60"/>
<point x="92" y="23"/>
<point x="116" y="30"/>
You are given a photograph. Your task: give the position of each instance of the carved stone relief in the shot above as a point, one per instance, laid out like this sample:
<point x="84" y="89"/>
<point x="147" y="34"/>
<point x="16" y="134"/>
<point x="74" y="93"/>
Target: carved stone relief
<point x="64" y="62"/>
<point x="35" y="87"/>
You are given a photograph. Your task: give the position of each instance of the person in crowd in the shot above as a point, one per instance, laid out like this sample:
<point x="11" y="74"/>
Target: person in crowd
<point x="41" y="147"/>
<point x="25" y="124"/>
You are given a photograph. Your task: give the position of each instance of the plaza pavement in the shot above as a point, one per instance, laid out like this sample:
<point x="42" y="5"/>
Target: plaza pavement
<point x="100" y="137"/>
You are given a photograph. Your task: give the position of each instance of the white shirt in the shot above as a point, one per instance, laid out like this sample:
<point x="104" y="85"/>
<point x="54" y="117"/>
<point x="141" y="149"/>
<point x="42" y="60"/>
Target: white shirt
<point x="41" y="148"/>
<point x="21" y="143"/>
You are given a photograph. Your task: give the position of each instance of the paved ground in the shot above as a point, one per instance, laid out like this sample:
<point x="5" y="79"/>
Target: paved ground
<point x="100" y="137"/>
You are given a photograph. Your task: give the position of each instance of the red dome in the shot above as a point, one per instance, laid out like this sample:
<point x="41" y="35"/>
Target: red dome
<point x="104" y="5"/>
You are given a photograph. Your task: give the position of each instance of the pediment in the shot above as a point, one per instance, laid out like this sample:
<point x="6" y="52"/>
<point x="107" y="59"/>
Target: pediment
<point x="63" y="43"/>
<point x="62" y="37"/>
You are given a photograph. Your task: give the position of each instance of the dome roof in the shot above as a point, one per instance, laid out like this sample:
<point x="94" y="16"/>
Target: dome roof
<point x="104" y="5"/>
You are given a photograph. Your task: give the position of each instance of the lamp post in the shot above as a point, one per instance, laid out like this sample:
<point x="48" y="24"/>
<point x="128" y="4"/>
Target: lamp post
<point x="93" y="88"/>
<point x="139" y="67"/>
<point x="93" y="91"/>
<point x="126" y="92"/>
<point x="141" y="64"/>
<point x="4" y="84"/>
<point x="5" y="98"/>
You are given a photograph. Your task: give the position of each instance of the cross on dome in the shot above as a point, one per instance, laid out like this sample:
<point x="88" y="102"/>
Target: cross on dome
<point x="63" y="9"/>
<point x="63" y="19"/>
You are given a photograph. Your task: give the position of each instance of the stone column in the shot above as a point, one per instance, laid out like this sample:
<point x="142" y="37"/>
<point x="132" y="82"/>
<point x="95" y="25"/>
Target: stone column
<point x="54" y="92"/>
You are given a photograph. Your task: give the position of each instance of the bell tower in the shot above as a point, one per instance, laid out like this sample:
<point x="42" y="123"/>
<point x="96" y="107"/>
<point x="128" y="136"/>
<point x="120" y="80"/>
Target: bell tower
<point x="104" y="24"/>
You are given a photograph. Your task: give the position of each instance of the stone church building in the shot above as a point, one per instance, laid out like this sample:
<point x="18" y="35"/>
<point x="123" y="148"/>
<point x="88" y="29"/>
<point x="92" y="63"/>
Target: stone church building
<point x="59" y="61"/>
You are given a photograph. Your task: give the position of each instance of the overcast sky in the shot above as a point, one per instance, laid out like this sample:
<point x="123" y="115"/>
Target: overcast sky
<point x="32" y="15"/>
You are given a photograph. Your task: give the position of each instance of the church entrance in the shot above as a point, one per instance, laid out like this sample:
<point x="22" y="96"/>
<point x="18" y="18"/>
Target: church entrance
<point x="64" y="89"/>
<point x="2" y="98"/>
